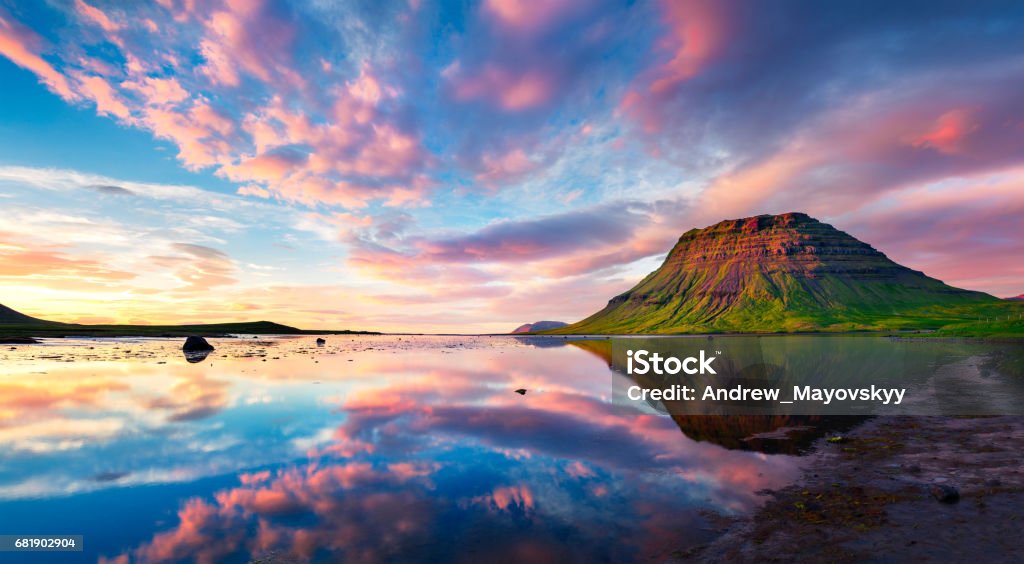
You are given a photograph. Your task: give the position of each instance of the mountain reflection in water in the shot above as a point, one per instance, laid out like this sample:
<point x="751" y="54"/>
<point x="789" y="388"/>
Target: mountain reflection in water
<point x="770" y="434"/>
<point x="367" y="448"/>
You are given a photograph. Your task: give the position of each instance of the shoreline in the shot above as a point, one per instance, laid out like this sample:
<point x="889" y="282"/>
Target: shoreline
<point x="869" y="494"/>
<point x="19" y="334"/>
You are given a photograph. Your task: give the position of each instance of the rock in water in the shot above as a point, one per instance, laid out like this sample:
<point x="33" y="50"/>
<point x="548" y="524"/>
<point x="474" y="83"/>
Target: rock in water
<point x="521" y="391"/>
<point x="321" y="342"/>
<point x="195" y="357"/>
<point x="945" y="493"/>
<point x="193" y="344"/>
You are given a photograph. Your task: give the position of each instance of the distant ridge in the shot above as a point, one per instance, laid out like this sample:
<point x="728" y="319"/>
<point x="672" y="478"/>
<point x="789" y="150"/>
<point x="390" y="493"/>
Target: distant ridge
<point x="775" y="273"/>
<point x="14" y="323"/>
<point x="9" y="316"/>
<point x="1019" y="298"/>
<point x="539" y="326"/>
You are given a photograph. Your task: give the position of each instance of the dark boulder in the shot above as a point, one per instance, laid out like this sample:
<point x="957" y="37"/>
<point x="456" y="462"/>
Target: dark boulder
<point x="321" y="342"/>
<point x="521" y="391"/>
<point x="195" y="344"/>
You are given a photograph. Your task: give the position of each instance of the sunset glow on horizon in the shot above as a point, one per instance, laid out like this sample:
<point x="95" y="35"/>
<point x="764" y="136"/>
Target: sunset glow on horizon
<point x="469" y="167"/>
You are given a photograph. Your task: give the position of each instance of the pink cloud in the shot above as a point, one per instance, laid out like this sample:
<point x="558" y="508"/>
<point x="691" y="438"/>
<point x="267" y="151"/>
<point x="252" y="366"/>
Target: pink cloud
<point x="254" y="477"/>
<point x="968" y="221"/>
<point x="353" y="523"/>
<point x="206" y="534"/>
<point x="405" y="471"/>
<point x="509" y="497"/>
<point x="46" y="264"/>
<point x="219" y="67"/>
<point x="108" y="101"/>
<point x="577" y="469"/>
<point x="527" y="16"/>
<point x="949" y="133"/>
<point x="206" y="114"/>
<point x="511" y="165"/>
<point x="264" y="168"/>
<point x="849" y="158"/>
<point x="248" y="35"/>
<point x="512" y="90"/>
<point x="98" y="66"/>
<point x="342" y="146"/>
<point x="22" y="47"/>
<point x="557" y="245"/>
<point x="197" y="146"/>
<point x="695" y="32"/>
<point x="97" y="16"/>
<point x="158" y="91"/>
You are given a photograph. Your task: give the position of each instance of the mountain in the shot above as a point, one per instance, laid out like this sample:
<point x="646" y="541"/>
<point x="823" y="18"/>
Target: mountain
<point x="9" y="316"/>
<point x="539" y="326"/>
<point x="1019" y="298"/>
<point x="772" y="273"/>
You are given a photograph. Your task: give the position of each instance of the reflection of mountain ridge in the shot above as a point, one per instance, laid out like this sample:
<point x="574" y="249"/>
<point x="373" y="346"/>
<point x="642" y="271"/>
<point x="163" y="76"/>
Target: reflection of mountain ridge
<point x="940" y="378"/>
<point x="599" y="348"/>
<point x="542" y="342"/>
<point x="936" y="375"/>
<point x="744" y="432"/>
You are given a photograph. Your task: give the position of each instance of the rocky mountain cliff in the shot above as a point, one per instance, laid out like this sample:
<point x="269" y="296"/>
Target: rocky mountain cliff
<point x="786" y="272"/>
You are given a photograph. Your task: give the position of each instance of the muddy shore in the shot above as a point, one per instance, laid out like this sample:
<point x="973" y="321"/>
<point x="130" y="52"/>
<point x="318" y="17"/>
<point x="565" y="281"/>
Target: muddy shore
<point x="870" y="496"/>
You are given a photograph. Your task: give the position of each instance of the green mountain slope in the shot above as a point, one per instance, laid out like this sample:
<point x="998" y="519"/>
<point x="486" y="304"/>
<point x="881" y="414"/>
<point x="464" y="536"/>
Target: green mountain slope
<point x="785" y="273"/>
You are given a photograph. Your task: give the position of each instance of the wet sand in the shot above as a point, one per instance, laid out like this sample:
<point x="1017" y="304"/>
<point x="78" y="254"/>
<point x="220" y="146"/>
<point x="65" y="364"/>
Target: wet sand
<point x="867" y="497"/>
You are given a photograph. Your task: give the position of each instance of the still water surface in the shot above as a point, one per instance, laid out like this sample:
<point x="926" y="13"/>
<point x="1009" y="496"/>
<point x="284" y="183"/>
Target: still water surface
<point x="368" y="448"/>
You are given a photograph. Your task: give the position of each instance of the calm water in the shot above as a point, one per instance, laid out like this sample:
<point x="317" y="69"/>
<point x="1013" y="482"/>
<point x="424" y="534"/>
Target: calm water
<point x="368" y="448"/>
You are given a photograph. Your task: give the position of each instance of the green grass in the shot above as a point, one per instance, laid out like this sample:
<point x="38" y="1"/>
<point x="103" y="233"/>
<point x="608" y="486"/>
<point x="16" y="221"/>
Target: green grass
<point x="990" y="320"/>
<point x="994" y="323"/>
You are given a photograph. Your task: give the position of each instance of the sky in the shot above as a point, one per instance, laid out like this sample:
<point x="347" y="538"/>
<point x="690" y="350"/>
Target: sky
<point x="471" y="166"/>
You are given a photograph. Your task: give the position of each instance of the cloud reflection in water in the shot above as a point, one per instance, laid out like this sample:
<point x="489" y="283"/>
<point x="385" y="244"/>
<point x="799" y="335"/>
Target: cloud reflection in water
<point x="383" y="448"/>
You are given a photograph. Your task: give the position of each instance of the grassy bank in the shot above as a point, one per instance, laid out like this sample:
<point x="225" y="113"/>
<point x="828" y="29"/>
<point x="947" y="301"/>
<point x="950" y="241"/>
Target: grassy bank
<point x="990" y="320"/>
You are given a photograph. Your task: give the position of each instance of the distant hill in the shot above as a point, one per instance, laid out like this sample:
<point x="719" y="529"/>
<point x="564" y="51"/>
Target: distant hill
<point x="1019" y="298"/>
<point x="9" y="316"/>
<point x="14" y="323"/>
<point x="779" y="273"/>
<point x="539" y="326"/>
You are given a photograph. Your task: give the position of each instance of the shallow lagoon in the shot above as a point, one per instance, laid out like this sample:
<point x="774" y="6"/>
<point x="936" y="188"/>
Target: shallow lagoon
<point x="364" y="449"/>
<point x="393" y="447"/>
